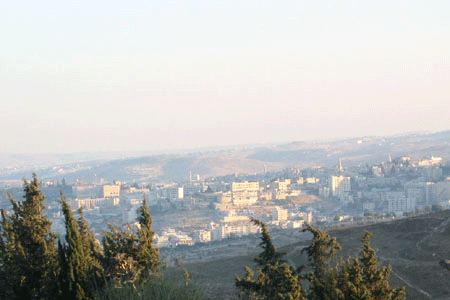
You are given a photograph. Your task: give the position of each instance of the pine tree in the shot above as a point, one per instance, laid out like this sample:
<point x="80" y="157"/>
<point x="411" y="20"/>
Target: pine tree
<point x="276" y="279"/>
<point x="29" y="235"/>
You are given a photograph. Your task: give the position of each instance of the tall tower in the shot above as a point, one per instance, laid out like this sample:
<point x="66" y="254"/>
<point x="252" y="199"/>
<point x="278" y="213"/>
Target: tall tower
<point x="341" y="168"/>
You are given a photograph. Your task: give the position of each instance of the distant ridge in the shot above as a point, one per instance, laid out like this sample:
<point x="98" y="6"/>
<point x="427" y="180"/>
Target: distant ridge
<point x="220" y="161"/>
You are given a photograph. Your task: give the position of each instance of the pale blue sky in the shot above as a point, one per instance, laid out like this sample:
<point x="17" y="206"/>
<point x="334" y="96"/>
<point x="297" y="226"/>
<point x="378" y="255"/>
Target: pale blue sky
<point x="152" y="75"/>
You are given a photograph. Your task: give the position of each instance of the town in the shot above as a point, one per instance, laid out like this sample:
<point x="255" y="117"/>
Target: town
<point x="200" y="212"/>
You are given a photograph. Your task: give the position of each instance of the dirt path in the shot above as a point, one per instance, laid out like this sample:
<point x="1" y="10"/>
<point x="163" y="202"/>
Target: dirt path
<point x="440" y="228"/>
<point x="412" y="286"/>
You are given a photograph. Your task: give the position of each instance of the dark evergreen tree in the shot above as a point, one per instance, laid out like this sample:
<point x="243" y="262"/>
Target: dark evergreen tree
<point x="276" y="279"/>
<point x="130" y="256"/>
<point x="74" y="265"/>
<point x="321" y="252"/>
<point x="148" y="255"/>
<point x="368" y="279"/>
<point x="120" y="246"/>
<point x="355" y="278"/>
<point x="31" y="247"/>
<point x="8" y="272"/>
<point x="92" y="251"/>
<point x="329" y="278"/>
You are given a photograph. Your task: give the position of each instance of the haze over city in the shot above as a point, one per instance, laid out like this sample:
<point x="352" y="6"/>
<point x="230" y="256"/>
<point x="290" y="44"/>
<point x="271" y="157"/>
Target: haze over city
<point x="115" y="76"/>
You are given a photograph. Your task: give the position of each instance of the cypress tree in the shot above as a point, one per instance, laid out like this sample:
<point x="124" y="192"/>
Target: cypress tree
<point x="321" y="252"/>
<point x="34" y="245"/>
<point x="8" y="272"/>
<point x="147" y="256"/>
<point x="92" y="249"/>
<point x="92" y="252"/>
<point x="74" y="264"/>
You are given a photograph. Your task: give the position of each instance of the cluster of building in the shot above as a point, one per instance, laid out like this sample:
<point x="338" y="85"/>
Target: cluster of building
<point x="401" y="186"/>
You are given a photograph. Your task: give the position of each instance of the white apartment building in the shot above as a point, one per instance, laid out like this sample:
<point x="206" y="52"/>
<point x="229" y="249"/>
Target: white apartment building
<point x="279" y="214"/>
<point x="399" y="203"/>
<point x="340" y="186"/>
<point x="90" y="203"/>
<point x="244" y="193"/>
<point x="190" y="190"/>
<point x="175" y="193"/>
<point x="202" y="236"/>
<point x="280" y="185"/>
<point x="236" y="229"/>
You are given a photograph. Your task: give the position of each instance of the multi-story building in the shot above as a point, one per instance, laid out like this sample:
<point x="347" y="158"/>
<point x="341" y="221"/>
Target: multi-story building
<point x="279" y="214"/>
<point x="111" y="191"/>
<point x="236" y="229"/>
<point x="202" y="236"/>
<point x="439" y="192"/>
<point x="340" y="186"/>
<point x="175" y="192"/>
<point x="244" y="193"/>
<point x="89" y="203"/>
<point x="399" y="203"/>
<point x="280" y="185"/>
<point x="191" y="189"/>
<point x="95" y="191"/>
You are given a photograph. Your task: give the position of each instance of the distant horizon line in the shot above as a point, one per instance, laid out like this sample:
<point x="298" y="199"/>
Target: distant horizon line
<point x="221" y="147"/>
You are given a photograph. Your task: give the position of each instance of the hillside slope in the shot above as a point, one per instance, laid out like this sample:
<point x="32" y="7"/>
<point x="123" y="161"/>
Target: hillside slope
<point x="413" y="246"/>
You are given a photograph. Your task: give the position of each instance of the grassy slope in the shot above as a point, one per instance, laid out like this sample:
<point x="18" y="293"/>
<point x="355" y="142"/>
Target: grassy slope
<point x="412" y="246"/>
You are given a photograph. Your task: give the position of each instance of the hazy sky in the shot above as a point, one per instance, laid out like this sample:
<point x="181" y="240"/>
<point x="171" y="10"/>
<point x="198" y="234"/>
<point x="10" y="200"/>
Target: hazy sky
<point x="146" y="75"/>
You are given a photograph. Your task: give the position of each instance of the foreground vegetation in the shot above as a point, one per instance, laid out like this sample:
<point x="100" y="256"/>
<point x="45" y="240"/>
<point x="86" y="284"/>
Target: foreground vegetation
<point x="324" y="277"/>
<point x="34" y="264"/>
